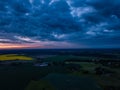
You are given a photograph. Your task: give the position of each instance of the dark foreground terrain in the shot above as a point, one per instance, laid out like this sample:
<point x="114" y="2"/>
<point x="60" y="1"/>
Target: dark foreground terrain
<point x="60" y="69"/>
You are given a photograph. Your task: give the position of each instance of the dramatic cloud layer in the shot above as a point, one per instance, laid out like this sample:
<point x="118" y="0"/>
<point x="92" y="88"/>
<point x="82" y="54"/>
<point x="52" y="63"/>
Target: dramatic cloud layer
<point x="60" y="23"/>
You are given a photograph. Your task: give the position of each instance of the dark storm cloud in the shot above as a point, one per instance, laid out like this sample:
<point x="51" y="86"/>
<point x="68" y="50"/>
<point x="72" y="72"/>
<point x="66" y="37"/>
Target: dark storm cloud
<point x="76" y="21"/>
<point x="101" y="20"/>
<point x="106" y="8"/>
<point x="29" y="18"/>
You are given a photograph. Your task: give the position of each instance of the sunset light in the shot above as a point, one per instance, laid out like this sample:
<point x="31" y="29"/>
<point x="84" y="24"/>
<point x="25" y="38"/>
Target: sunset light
<point x="15" y="46"/>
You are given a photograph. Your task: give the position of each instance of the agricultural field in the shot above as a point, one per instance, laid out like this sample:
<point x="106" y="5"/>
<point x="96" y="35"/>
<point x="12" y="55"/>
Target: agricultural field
<point x="40" y="85"/>
<point x="9" y="57"/>
<point x="62" y="58"/>
<point x="106" y="80"/>
<point x="27" y="76"/>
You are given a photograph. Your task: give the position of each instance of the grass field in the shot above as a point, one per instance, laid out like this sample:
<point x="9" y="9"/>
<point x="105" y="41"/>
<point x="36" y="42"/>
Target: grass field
<point x="8" y="57"/>
<point x="40" y="85"/>
<point x="62" y="58"/>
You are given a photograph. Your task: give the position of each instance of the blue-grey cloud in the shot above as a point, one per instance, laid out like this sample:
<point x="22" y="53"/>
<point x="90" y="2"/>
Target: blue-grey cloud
<point x="88" y="22"/>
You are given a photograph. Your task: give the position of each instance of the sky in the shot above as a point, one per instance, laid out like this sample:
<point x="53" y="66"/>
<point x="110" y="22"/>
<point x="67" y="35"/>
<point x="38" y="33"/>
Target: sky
<point x="59" y="24"/>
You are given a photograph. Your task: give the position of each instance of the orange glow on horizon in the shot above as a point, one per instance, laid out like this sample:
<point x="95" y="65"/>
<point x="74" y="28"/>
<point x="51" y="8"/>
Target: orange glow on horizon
<point x="16" y="46"/>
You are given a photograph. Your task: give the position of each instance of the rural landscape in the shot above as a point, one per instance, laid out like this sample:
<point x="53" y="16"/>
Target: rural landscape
<point x="59" y="44"/>
<point x="55" y="69"/>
